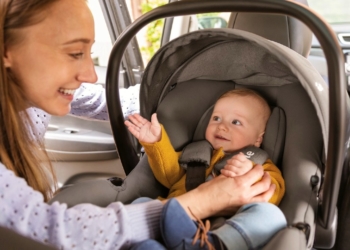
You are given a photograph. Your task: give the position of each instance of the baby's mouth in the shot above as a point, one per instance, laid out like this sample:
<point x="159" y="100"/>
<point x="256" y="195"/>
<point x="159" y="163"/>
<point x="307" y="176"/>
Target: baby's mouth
<point x="66" y="91"/>
<point x="220" y="137"/>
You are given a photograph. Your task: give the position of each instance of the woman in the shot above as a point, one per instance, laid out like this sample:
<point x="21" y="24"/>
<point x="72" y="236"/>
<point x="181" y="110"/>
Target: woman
<point x="45" y="47"/>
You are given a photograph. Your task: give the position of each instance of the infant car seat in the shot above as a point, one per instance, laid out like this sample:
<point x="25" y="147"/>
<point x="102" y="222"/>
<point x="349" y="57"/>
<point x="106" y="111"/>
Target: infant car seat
<point x="302" y="137"/>
<point x="197" y="68"/>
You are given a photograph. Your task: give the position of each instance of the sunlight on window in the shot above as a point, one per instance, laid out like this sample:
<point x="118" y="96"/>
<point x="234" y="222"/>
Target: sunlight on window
<point x="103" y="43"/>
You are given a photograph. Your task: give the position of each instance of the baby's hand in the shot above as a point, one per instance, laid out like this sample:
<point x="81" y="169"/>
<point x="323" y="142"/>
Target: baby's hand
<point x="237" y="165"/>
<point x="143" y="130"/>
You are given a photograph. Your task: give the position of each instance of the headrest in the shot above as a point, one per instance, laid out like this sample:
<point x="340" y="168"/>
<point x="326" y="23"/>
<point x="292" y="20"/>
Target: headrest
<point x="282" y="29"/>
<point x="275" y="135"/>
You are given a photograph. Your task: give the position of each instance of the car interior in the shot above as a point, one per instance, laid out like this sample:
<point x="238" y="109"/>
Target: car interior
<point x="306" y="135"/>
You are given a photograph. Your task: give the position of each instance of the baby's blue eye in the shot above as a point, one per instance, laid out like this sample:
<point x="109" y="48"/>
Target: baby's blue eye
<point x="236" y="122"/>
<point x="216" y="118"/>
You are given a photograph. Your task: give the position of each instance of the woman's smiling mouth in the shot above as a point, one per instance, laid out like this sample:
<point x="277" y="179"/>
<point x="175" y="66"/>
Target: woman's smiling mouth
<point x="66" y="91"/>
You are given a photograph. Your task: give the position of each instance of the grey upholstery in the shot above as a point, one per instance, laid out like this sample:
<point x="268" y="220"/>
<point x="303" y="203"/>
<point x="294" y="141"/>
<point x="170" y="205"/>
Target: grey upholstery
<point x="103" y="192"/>
<point x="11" y="240"/>
<point x="279" y="28"/>
<point x="287" y="239"/>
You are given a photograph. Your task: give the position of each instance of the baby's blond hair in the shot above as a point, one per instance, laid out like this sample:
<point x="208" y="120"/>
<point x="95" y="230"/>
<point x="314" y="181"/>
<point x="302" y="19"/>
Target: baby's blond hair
<point x="251" y="93"/>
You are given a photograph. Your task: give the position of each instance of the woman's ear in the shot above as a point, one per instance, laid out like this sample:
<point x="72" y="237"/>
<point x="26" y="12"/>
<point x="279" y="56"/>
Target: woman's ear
<point x="7" y="59"/>
<point x="259" y="140"/>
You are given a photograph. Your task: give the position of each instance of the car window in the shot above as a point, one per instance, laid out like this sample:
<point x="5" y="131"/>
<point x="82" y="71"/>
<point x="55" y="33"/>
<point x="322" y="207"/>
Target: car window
<point x="103" y="43"/>
<point x="212" y="20"/>
<point x="335" y="11"/>
<point x="148" y="38"/>
<point x="337" y="15"/>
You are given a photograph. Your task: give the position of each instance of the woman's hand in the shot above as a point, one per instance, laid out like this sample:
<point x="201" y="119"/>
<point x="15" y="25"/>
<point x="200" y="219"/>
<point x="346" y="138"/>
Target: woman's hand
<point x="143" y="130"/>
<point x="223" y="195"/>
<point x="237" y="165"/>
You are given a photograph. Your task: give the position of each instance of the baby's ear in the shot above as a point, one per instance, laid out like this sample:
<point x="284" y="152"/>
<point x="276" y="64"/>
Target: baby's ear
<point x="259" y="140"/>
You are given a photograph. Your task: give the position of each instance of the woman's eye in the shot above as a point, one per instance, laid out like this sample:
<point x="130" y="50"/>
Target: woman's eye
<point x="77" y="55"/>
<point x="236" y="122"/>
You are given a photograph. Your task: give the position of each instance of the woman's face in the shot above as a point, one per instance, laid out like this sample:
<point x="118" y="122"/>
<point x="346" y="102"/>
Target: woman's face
<point x="54" y="57"/>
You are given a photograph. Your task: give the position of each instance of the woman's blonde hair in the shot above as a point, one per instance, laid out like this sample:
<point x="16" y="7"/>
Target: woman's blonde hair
<point x="19" y="150"/>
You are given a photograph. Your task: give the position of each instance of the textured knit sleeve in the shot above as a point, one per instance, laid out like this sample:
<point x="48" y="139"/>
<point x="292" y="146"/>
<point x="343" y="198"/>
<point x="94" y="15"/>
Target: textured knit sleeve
<point x="90" y="101"/>
<point x="40" y="120"/>
<point x="130" y="100"/>
<point x="84" y="226"/>
<point x="163" y="161"/>
<point x="277" y="179"/>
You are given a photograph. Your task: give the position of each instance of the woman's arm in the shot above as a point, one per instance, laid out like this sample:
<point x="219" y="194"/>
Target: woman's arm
<point x="215" y="197"/>
<point x="90" y="101"/>
<point x="84" y="226"/>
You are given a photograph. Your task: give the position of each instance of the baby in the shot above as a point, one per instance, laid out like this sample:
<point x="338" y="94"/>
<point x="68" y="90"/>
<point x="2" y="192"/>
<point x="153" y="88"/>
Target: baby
<point x="238" y="120"/>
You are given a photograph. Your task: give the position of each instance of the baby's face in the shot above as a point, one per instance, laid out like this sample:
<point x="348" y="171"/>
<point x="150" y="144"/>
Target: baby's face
<point x="236" y="122"/>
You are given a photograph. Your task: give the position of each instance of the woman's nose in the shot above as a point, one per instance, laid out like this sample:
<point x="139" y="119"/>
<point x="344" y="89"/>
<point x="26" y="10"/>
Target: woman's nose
<point x="87" y="72"/>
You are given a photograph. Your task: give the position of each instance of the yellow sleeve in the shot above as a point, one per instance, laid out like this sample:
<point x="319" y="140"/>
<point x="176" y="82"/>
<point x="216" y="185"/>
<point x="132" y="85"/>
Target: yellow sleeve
<point x="277" y="179"/>
<point x="164" y="160"/>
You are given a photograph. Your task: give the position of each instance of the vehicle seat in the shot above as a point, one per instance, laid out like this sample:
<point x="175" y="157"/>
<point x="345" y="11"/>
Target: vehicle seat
<point x="11" y="240"/>
<point x="282" y="29"/>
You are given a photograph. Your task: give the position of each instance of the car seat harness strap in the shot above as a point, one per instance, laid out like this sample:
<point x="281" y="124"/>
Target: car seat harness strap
<point x="196" y="157"/>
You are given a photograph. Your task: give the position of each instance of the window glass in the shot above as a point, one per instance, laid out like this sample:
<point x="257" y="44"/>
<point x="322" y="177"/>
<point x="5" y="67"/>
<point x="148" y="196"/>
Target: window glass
<point x="335" y="11"/>
<point x="212" y="20"/>
<point x="150" y="36"/>
<point x="103" y="44"/>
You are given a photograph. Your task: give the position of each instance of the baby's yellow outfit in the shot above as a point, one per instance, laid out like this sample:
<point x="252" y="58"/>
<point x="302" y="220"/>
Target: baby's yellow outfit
<point x="165" y="166"/>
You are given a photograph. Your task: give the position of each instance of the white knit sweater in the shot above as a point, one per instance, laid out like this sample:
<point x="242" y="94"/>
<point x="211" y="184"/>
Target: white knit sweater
<point x="84" y="226"/>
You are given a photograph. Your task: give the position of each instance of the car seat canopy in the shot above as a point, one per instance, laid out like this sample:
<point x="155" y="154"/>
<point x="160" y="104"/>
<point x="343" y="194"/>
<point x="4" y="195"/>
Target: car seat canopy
<point x="233" y="56"/>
